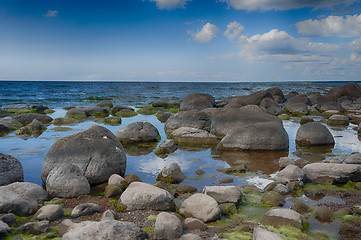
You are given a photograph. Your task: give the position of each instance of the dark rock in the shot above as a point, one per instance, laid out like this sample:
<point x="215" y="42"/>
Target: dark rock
<point x="27" y="106"/>
<point x="163" y="117"/>
<point x="4" y="230"/>
<point x="186" y="189"/>
<point x="138" y="132"/>
<point x="296" y="109"/>
<point x="197" y="101"/>
<point x="199" y="172"/>
<point x="9" y="219"/>
<point x="324" y="214"/>
<point x="338" y="120"/>
<point x="76" y="113"/>
<point x="35" y="228"/>
<point x="301" y="207"/>
<point x="226" y="180"/>
<point x="193" y="223"/>
<point x="63" y="121"/>
<point x="167" y="102"/>
<point x="227" y="208"/>
<point x="105" y="104"/>
<point x="299" y="99"/>
<point x="277" y="94"/>
<point x="85" y="209"/>
<point x="306" y="119"/>
<point x="11" y="170"/>
<point x="193" y="118"/>
<point x="96" y="151"/>
<point x="349" y="231"/>
<point x="27" y="118"/>
<point x="167" y="147"/>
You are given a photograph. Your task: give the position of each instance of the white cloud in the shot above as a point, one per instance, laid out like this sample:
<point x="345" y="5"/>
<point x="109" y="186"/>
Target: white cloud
<point x="170" y="4"/>
<point x="206" y="34"/>
<point x="348" y="26"/>
<point x="233" y="32"/>
<point x="51" y="13"/>
<point x="286" y="4"/>
<point x="356" y="45"/>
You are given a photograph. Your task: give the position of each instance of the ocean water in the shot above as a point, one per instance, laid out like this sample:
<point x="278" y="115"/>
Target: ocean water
<point x="56" y="95"/>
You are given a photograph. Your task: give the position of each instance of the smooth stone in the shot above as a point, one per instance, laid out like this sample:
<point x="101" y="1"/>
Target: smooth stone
<point x="171" y="173"/>
<point x="224" y="194"/>
<point x="138" y="132"/>
<point x="291" y="173"/>
<point x="301" y="207"/>
<point x="190" y="236"/>
<point x="186" y="189"/>
<point x="194" y="136"/>
<point x="338" y="120"/>
<point x="49" y="212"/>
<point x="130" y="177"/>
<point x="314" y="134"/>
<point x="105" y="104"/>
<point x="282" y="216"/>
<point x="166" y="102"/>
<point x="167" y="147"/>
<point x="197" y="101"/>
<point x="285" y="161"/>
<point x="193" y="118"/>
<point x="354" y="158"/>
<point x="108" y="215"/>
<point x="36" y="126"/>
<point x="4" y="229"/>
<point x="194" y="223"/>
<point x="273" y="198"/>
<point x="34" y="227"/>
<point x="27" y="118"/>
<point x="167" y="226"/>
<point x="260" y="233"/>
<point x="118" y="180"/>
<point x="64" y="226"/>
<point x="112" y="191"/>
<point x="11" y="170"/>
<point x="281" y="189"/>
<point x="9" y="219"/>
<point x="324" y="214"/>
<point x="85" y="209"/>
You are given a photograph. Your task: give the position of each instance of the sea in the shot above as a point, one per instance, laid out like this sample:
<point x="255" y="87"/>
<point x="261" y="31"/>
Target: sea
<point x="31" y="150"/>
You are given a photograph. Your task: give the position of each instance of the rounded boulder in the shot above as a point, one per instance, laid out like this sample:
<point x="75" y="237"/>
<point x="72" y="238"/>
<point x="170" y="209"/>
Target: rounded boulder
<point x="138" y="132"/>
<point x="11" y="170"/>
<point x="314" y="134"/>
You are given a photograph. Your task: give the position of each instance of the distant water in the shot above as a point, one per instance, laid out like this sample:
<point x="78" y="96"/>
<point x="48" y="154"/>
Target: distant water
<point x="56" y="95"/>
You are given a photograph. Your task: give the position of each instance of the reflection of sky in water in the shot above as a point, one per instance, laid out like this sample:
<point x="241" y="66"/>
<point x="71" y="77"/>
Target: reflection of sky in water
<point x="31" y="152"/>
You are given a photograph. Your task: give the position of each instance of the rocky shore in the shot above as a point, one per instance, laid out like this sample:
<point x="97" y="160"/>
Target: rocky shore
<point x="87" y="195"/>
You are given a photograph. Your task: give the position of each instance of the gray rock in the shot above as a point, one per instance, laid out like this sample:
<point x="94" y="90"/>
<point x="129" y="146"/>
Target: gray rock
<point x="105" y="104"/>
<point x="338" y="120"/>
<point x="117" y="109"/>
<point x="260" y="233"/>
<point x="11" y="170"/>
<point x="193" y="118"/>
<point x="10" y="124"/>
<point x="64" y="226"/>
<point x="226" y="119"/>
<point x="139" y="195"/>
<point x="85" y="209"/>
<point x="118" y="180"/>
<point x="291" y="173"/>
<point x="36" y="126"/>
<point x="167" y="226"/>
<point x="335" y="173"/>
<point x="194" y="223"/>
<point x="9" y="219"/>
<point x="26" y="106"/>
<point x="167" y="147"/>
<point x="49" y="212"/>
<point x="96" y="151"/>
<point x="4" y="229"/>
<point x="166" y="102"/>
<point x="21" y="199"/>
<point x="171" y="173"/>
<point x="313" y="134"/>
<point x="190" y="236"/>
<point x="296" y="109"/>
<point x="138" y="132"/>
<point x="283" y="216"/>
<point x="224" y="194"/>
<point x="194" y="136"/>
<point x="197" y="101"/>
<point x="354" y="158"/>
<point x="34" y="227"/>
<point x="264" y="136"/>
<point x="76" y="113"/>
<point x="281" y="189"/>
<point x="27" y="118"/>
<point x="273" y="198"/>
<point x="200" y="206"/>
<point x="95" y="111"/>
<point x="105" y="230"/>
<point x="285" y="161"/>
<point x="108" y="215"/>
<point x="67" y="181"/>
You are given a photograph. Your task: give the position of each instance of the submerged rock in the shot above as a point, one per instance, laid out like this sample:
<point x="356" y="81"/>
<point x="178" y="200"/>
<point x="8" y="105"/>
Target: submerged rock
<point x="193" y="119"/>
<point x="167" y="147"/>
<point x="11" y="170"/>
<point x="96" y="151"/>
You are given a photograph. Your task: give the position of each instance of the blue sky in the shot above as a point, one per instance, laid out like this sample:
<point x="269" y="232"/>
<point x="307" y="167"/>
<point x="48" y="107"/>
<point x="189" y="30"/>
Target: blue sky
<point x="180" y="40"/>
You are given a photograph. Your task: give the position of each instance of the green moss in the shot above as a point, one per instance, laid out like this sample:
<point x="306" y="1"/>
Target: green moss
<point x="56" y="201"/>
<point x="110" y="120"/>
<point x="349" y="186"/>
<point x="49" y="111"/>
<point x="95" y="99"/>
<point x="350" y="218"/>
<point x="126" y="114"/>
<point x="299" y="114"/>
<point x="115" y="205"/>
<point x="289" y="233"/>
<point x="237" y="235"/>
<point x="148" y="110"/>
<point x="148" y="230"/>
<point x="61" y="129"/>
<point x="21" y="111"/>
<point x="174" y="110"/>
<point x="67" y="212"/>
<point x="21" y="220"/>
<point x="97" y="193"/>
<point x="152" y="217"/>
<point x="284" y="117"/>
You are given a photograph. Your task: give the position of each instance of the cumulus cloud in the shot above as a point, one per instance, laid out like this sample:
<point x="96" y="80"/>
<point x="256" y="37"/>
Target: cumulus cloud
<point x="233" y="32"/>
<point x="286" y="4"/>
<point x="206" y="34"/>
<point x="51" y="13"/>
<point x="170" y="4"/>
<point x="348" y="26"/>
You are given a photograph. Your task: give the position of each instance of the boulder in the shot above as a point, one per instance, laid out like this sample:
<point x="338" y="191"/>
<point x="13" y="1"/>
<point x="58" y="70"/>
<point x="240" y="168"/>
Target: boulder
<point x="193" y="118"/>
<point x="264" y="136"/>
<point x="277" y="94"/>
<point x="306" y="119"/>
<point x="27" y="118"/>
<point x="131" y="177"/>
<point x="76" y="113"/>
<point x="291" y="173"/>
<point x="301" y="207"/>
<point x="226" y="119"/>
<point x="122" y="111"/>
<point x="281" y="189"/>
<point x="4" y="229"/>
<point x="11" y="170"/>
<point x="167" y="147"/>
<point x="299" y="99"/>
<point x="64" y="226"/>
<point x="107" y="230"/>
<point x="254" y="98"/>
<point x="163" y="116"/>
<point x="95" y="111"/>
<point x="260" y="233"/>
<point x="338" y="120"/>
<point x="194" y="136"/>
<point x="10" y="219"/>
<point x="273" y="199"/>
<point x="354" y="158"/>
<point x="167" y="226"/>
<point x="112" y="191"/>
<point x="49" y="212"/>
<point x="21" y="198"/>
<point x="85" y="209"/>
<point x="224" y="194"/>
<point x="138" y="132"/>
<point x="166" y="102"/>
<point x="200" y="206"/>
<point x="67" y="181"/>
<point x="105" y="104"/>
<point x="171" y="173"/>
<point x="118" y="180"/>
<point x="139" y="196"/>
<point x="324" y="214"/>
<point x="35" y="228"/>
<point x="186" y="189"/>
<point x="327" y="106"/>
<point x="330" y="172"/>
<point x="314" y="134"/>
<point x="96" y="151"/>
<point x="197" y="101"/>
<point x="282" y="216"/>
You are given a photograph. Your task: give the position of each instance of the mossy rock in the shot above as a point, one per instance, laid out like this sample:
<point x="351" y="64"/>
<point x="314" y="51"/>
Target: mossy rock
<point x="23" y="131"/>
<point x="95" y="99"/>
<point x="110" y="120"/>
<point x="126" y="113"/>
<point x="49" y="111"/>
<point x="273" y="199"/>
<point x="284" y="117"/>
<point x="61" y="129"/>
<point x="174" y="110"/>
<point x="56" y="201"/>
<point x="21" y="111"/>
<point x="63" y="121"/>
<point x="148" y="110"/>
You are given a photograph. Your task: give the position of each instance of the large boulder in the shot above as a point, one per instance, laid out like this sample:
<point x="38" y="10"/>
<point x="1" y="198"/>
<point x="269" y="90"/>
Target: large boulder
<point x="139" y="196"/>
<point x="224" y="194"/>
<point x="106" y="230"/>
<point x="27" y="118"/>
<point x="171" y="173"/>
<point x="270" y="136"/>
<point x="350" y="90"/>
<point x="277" y="94"/>
<point x="11" y="170"/>
<point x="197" y="101"/>
<point x="226" y="119"/>
<point x="200" y="206"/>
<point x="67" y="181"/>
<point x="282" y="216"/>
<point x="21" y="198"/>
<point x="296" y="109"/>
<point x="193" y="118"/>
<point x="314" y="134"/>
<point x="96" y="151"/>
<point x="138" y="132"/>
<point x="252" y="99"/>
<point x="105" y="104"/>
<point x="194" y="136"/>
<point x="167" y="227"/>
<point x="332" y="172"/>
<point x="291" y="173"/>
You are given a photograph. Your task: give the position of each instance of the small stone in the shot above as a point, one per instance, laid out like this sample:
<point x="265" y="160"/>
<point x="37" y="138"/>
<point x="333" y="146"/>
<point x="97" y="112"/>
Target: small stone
<point x="193" y="223"/>
<point x="227" y="208"/>
<point x="324" y="214"/>
<point x="118" y="180"/>
<point x="200" y="172"/>
<point x="190" y="236"/>
<point x="171" y="173"/>
<point x="301" y="207"/>
<point x="85" y="209"/>
<point x="112" y="191"/>
<point x="273" y="198"/>
<point x="108" y="215"/>
<point x="4" y="229"/>
<point x="349" y="231"/>
<point x="282" y="216"/>
<point x="224" y="194"/>
<point x="49" y="212"/>
<point x="226" y="180"/>
<point x="282" y="189"/>
<point x="9" y="219"/>
<point x="132" y="178"/>
<point x="186" y="189"/>
<point x="285" y="161"/>
<point x="64" y="226"/>
<point x="34" y="227"/>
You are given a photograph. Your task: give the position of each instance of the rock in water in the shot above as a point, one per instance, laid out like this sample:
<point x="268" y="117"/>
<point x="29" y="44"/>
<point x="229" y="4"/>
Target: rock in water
<point x="282" y="216"/>
<point x="11" y="170"/>
<point x="314" y="134"/>
<point x="138" y="132"/>
<point x="197" y="101"/>
<point x="171" y="173"/>
<point x="96" y="151"/>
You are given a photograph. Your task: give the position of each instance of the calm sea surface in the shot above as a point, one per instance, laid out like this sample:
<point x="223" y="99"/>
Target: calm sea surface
<point x="56" y="95"/>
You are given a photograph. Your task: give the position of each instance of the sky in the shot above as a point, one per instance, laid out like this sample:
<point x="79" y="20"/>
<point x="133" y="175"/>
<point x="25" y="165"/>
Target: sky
<point x="180" y="40"/>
